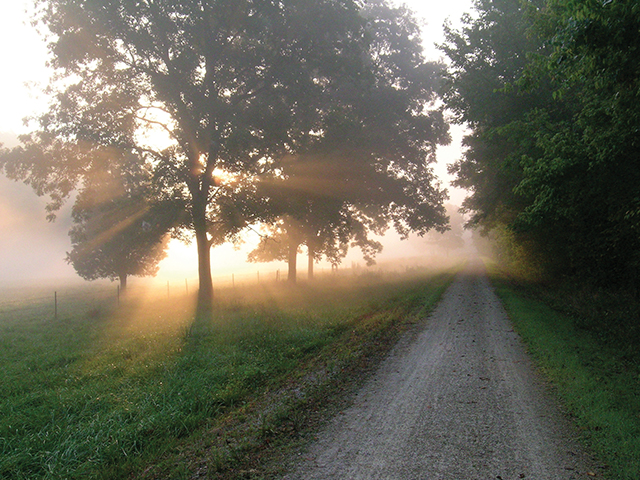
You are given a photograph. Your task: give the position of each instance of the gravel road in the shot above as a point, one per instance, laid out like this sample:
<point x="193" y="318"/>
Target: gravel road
<point x="457" y="398"/>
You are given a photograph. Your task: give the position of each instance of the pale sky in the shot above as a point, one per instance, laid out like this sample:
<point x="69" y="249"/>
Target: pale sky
<point x="23" y="57"/>
<point x="23" y="54"/>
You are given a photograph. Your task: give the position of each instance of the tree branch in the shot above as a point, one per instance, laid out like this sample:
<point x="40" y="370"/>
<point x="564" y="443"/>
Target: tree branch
<point x="160" y="124"/>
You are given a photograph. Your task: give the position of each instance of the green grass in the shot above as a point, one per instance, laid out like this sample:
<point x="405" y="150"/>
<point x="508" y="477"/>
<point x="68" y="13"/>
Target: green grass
<point x="598" y="382"/>
<point x="146" y="389"/>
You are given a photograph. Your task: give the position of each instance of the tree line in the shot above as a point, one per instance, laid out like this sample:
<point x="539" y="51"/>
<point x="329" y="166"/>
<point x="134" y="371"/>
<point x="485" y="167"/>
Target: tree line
<point x="314" y="118"/>
<point x="550" y="91"/>
<point x="316" y="122"/>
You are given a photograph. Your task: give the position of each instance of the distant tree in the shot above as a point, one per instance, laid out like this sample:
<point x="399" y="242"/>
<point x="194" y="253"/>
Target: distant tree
<point x="283" y="239"/>
<point x="331" y="204"/>
<point x="310" y="203"/>
<point x="452" y="238"/>
<point x="281" y="242"/>
<point x="366" y="170"/>
<point x="119" y="227"/>
<point x="115" y="240"/>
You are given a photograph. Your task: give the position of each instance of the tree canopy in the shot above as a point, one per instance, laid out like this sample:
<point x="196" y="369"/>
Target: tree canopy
<point x="120" y="229"/>
<point x="236" y="88"/>
<point x="368" y="168"/>
<point x="549" y="90"/>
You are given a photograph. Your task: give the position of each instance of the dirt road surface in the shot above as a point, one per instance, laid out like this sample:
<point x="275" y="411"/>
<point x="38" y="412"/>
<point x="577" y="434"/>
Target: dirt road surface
<point x="458" y="398"/>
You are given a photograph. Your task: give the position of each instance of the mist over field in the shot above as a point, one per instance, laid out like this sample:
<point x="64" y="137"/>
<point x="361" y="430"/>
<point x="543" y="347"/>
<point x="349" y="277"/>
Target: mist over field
<point x="31" y="248"/>
<point x="231" y="183"/>
<point x="34" y="249"/>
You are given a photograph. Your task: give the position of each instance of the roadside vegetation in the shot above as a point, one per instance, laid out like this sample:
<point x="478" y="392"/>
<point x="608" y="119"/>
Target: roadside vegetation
<point x="585" y="341"/>
<point x="147" y="390"/>
<point x="549" y="92"/>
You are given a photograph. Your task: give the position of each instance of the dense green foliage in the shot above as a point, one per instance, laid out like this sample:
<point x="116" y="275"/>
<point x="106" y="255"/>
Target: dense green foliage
<point x="104" y="392"/>
<point x="550" y="92"/>
<point x="593" y="365"/>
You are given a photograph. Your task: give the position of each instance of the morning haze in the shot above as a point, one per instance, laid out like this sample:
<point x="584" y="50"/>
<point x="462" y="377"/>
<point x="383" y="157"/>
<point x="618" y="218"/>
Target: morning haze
<point x="37" y="248"/>
<point x="445" y="240"/>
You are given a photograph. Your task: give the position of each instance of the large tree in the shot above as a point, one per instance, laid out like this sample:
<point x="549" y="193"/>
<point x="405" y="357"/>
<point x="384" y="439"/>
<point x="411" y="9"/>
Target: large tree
<point x="330" y="203"/>
<point x="325" y="231"/>
<point x="586" y="180"/>
<point x="114" y="240"/>
<point x="233" y="84"/>
<point x="488" y="57"/>
<point x="368" y="167"/>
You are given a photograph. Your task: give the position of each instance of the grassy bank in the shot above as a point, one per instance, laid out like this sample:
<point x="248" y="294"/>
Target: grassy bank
<point x="595" y="372"/>
<point x="146" y="390"/>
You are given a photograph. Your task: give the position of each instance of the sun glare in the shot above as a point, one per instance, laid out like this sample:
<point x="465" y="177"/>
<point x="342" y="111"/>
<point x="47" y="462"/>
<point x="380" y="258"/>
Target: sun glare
<point x="155" y="123"/>
<point x="228" y="263"/>
<point x="25" y="53"/>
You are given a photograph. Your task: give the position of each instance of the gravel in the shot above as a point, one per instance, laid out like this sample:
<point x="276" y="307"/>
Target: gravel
<point x="457" y="398"/>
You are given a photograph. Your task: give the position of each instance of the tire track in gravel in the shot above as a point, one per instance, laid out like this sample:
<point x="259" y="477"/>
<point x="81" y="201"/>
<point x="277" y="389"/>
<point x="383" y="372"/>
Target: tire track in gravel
<point x="457" y="398"/>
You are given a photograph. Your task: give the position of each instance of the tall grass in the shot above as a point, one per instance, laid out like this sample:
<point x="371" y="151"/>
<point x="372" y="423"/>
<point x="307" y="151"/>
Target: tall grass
<point x="595" y="372"/>
<point x="107" y="392"/>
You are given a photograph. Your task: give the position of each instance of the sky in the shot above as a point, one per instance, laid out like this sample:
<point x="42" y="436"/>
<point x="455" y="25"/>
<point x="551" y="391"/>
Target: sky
<point x="31" y="247"/>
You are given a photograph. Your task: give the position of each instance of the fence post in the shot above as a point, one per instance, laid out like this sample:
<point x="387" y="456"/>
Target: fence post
<point x="55" y="305"/>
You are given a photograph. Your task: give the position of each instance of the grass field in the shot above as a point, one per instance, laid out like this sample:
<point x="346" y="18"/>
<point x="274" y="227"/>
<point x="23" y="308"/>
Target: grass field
<point x="145" y="390"/>
<point x="595" y="372"/>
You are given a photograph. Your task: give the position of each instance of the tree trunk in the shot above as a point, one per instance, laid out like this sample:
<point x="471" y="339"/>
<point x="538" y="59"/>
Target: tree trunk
<point x="205" y="283"/>
<point x="205" y="289"/>
<point x="291" y="261"/>
<point x="123" y="282"/>
<point x="310" y="261"/>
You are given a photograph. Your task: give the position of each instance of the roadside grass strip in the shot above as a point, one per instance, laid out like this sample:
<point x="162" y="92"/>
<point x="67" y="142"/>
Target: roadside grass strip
<point x="598" y="384"/>
<point x="146" y="390"/>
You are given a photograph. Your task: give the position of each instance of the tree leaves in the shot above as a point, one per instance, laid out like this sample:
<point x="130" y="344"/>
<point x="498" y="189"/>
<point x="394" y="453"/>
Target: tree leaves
<point x="238" y="87"/>
<point x="552" y="152"/>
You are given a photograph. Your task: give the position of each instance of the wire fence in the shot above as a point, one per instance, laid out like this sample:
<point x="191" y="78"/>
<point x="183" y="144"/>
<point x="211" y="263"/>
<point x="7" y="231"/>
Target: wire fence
<point x="68" y="297"/>
<point x="49" y="300"/>
<point x="61" y="298"/>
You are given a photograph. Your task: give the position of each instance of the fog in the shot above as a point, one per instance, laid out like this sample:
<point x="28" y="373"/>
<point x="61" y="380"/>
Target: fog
<point x="31" y="248"/>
